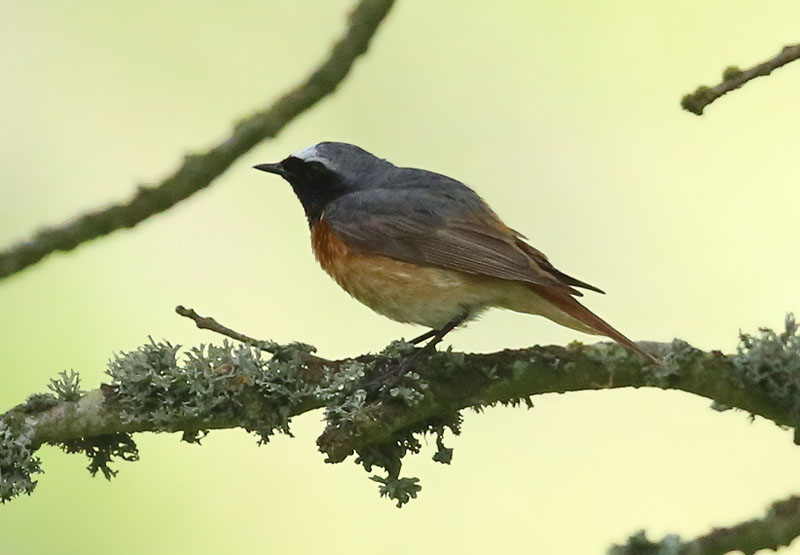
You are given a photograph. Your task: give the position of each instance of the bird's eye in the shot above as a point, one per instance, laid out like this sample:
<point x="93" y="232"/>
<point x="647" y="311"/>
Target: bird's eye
<point x="314" y="167"/>
<point x="300" y="167"/>
<point x="292" y="164"/>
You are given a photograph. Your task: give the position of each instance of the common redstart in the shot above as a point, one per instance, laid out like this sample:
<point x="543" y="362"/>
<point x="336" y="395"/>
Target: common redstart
<point x="423" y="248"/>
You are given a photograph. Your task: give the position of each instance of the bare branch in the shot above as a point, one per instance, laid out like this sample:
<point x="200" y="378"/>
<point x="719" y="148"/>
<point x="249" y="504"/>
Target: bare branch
<point x="199" y="170"/>
<point x="779" y="526"/>
<point x="208" y="323"/>
<point x="733" y="78"/>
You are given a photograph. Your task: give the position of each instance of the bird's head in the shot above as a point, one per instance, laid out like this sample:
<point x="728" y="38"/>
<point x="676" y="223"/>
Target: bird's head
<point x="325" y="171"/>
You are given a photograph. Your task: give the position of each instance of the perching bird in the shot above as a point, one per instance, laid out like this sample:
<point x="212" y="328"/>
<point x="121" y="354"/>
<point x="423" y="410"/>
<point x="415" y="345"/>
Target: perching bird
<point x="423" y="248"/>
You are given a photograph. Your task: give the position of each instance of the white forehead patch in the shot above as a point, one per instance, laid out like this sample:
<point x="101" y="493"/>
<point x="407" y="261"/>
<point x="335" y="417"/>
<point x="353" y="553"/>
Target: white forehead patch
<point x="313" y="154"/>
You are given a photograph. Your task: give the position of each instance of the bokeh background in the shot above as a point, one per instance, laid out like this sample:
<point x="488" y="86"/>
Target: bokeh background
<point x="563" y="115"/>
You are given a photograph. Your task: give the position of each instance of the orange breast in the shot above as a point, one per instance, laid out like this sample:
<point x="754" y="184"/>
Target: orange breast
<point x="329" y="250"/>
<point x="402" y="291"/>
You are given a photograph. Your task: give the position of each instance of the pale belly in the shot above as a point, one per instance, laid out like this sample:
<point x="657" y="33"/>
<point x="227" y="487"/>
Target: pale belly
<point x="428" y="296"/>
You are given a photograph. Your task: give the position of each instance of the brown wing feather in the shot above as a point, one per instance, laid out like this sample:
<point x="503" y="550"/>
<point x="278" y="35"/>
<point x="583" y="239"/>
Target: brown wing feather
<point x="540" y="259"/>
<point x="486" y="247"/>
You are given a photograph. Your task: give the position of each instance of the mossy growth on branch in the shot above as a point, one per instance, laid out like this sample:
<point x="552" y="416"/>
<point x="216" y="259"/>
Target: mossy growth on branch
<point x="697" y="101"/>
<point x="103" y="450"/>
<point x="731" y="72"/>
<point x="359" y="393"/>
<point x="18" y="464"/>
<point x="213" y="384"/>
<point x="770" y="361"/>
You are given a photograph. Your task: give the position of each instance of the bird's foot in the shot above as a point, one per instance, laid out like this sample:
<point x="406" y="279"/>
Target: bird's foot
<point x="395" y="370"/>
<point x="392" y="373"/>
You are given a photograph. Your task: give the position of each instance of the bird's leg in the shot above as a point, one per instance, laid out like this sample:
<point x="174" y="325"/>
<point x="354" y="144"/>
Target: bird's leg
<point x="395" y="374"/>
<point x="436" y="337"/>
<point x="428" y="334"/>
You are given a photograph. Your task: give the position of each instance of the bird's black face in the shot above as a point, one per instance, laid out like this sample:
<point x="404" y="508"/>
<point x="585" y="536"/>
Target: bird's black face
<point x="314" y="183"/>
<point x="325" y="171"/>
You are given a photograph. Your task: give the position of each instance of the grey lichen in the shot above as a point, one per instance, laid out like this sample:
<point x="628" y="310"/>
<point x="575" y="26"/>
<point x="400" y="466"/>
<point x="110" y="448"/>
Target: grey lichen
<point x="770" y="361"/>
<point x="67" y="387"/>
<point x="17" y="461"/>
<point x="389" y="454"/>
<point x="681" y="355"/>
<point x="342" y="392"/>
<point x="150" y="387"/>
<point x="360" y="393"/>
<point x="212" y="383"/>
<point x="103" y="450"/>
<point x="401" y="490"/>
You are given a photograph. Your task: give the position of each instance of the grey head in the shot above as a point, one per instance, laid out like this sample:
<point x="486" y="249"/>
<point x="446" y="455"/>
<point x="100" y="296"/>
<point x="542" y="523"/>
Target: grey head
<point x="325" y="171"/>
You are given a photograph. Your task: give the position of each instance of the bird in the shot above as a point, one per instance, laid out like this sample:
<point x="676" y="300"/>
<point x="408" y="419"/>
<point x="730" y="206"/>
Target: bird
<point x="423" y="248"/>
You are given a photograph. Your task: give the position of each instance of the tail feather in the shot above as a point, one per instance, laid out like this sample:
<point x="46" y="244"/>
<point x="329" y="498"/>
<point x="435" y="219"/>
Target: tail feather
<point x="567" y="304"/>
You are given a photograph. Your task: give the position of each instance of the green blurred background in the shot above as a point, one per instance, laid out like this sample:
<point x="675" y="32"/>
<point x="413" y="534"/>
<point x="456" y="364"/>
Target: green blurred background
<point x="563" y="115"/>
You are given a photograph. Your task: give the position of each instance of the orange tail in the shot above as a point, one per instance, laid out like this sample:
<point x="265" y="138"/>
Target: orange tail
<point x="566" y="303"/>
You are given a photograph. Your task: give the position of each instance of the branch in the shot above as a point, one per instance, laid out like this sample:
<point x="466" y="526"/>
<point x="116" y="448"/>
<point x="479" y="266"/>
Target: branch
<point x="733" y="78"/>
<point x="199" y="170"/>
<point x="208" y="323"/>
<point x="779" y="526"/>
<point x="155" y="389"/>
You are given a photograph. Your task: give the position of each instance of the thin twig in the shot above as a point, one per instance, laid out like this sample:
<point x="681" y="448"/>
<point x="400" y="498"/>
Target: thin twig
<point x="733" y="78"/>
<point x="208" y="323"/>
<point x="211" y="324"/>
<point x="198" y="171"/>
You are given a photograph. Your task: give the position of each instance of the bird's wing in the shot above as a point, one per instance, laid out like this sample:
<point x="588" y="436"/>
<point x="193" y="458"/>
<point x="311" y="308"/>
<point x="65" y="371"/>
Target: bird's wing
<point x="541" y="259"/>
<point x="447" y="226"/>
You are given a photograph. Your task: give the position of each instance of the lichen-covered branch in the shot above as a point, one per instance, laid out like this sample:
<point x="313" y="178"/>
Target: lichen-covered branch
<point x="161" y="388"/>
<point x="733" y="78"/>
<point x="777" y="528"/>
<point x="199" y="170"/>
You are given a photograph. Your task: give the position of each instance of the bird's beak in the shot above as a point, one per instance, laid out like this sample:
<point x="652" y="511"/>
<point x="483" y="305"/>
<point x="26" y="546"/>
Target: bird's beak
<point x="276" y="168"/>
